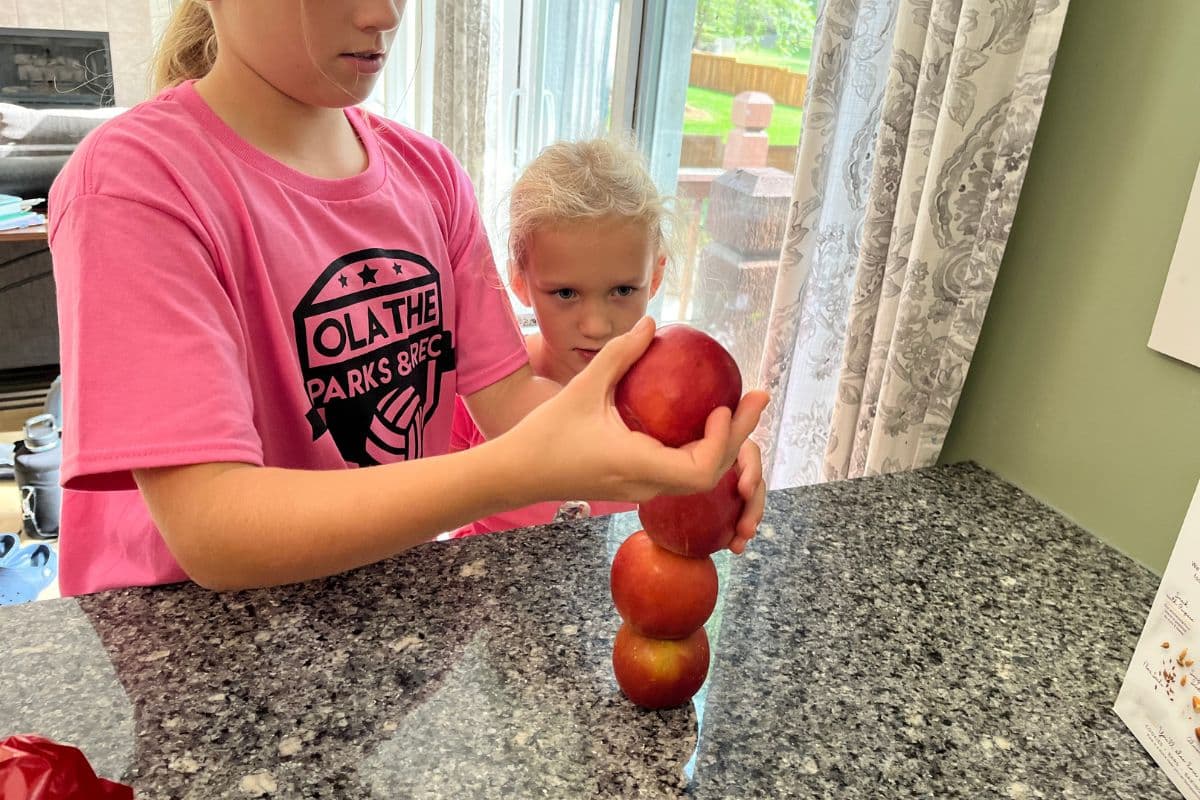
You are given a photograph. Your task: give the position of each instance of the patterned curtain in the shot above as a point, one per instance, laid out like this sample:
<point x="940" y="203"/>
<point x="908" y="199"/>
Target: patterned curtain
<point x="919" y="120"/>
<point x="460" y="82"/>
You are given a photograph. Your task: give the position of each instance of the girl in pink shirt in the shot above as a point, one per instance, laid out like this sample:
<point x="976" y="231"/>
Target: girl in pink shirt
<point x="268" y="300"/>
<point x="588" y="246"/>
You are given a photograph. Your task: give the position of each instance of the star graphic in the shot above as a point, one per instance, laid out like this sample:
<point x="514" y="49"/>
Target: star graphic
<point x="343" y="280"/>
<point x="397" y="267"/>
<point x="367" y="274"/>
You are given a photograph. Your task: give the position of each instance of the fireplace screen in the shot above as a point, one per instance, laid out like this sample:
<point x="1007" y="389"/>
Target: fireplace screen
<point x="45" y="68"/>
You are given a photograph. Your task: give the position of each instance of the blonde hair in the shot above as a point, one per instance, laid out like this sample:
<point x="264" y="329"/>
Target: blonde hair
<point x="188" y="47"/>
<point x="586" y="180"/>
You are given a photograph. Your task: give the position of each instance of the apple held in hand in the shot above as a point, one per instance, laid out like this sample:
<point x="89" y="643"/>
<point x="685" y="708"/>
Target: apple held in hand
<point x="660" y="673"/>
<point x="695" y="525"/>
<point x="680" y="379"/>
<point x="659" y="593"/>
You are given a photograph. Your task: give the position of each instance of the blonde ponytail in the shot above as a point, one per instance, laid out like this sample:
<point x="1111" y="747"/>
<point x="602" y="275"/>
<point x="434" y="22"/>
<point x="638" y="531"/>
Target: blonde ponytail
<point x="188" y="47"/>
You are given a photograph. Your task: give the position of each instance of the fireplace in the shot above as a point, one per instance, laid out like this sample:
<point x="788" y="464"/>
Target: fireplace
<point x="50" y="68"/>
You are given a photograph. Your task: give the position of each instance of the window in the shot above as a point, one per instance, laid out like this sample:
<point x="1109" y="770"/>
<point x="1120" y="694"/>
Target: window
<point x="708" y="87"/>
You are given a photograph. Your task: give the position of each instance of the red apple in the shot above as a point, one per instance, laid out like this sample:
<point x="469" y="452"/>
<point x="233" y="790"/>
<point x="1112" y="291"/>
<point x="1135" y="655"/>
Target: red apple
<point x="681" y="378"/>
<point x="661" y="594"/>
<point x="660" y="673"/>
<point x="695" y="525"/>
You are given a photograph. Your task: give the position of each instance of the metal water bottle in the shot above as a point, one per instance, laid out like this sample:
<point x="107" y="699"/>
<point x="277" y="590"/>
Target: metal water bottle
<point x="37" y="460"/>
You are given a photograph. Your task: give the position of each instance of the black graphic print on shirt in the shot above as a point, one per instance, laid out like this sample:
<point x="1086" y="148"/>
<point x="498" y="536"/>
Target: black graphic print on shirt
<point x="373" y="347"/>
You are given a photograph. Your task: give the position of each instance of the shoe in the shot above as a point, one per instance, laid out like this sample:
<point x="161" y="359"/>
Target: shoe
<point x="23" y="577"/>
<point x="9" y="544"/>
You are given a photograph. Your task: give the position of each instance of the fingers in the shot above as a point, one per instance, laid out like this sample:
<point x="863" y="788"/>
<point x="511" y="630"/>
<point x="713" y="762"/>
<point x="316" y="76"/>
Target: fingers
<point x="752" y="514"/>
<point x="753" y="491"/>
<point x="745" y="420"/>
<point x="616" y="357"/>
<point x="708" y="454"/>
<point x="748" y="413"/>
<point x="695" y="467"/>
<point x="725" y="436"/>
<point x="749" y="467"/>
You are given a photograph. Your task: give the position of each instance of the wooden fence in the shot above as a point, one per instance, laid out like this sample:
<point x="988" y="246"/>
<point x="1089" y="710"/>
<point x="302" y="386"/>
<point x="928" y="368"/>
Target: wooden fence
<point x="709" y="151"/>
<point x="701" y="151"/>
<point x="782" y="156"/>
<point x="727" y="74"/>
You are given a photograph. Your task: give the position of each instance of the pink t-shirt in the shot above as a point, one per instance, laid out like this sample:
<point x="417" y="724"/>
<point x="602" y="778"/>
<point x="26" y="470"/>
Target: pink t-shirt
<point x="217" y="305"/>
<point x="466" y="434"/>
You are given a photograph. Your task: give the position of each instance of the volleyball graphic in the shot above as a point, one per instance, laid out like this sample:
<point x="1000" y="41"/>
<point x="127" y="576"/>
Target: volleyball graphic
<point x="397" y="426"/>
<point x="373" y="347"/>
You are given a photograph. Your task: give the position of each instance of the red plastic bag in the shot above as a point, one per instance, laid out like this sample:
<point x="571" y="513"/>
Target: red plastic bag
<point x="34" y="768"/>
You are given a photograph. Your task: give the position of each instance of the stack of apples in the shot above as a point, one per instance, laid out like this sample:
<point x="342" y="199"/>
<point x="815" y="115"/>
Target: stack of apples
<point x="663" y="579"/>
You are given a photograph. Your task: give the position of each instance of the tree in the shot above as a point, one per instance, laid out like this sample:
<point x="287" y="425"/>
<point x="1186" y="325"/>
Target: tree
<point x="792" y="21"/>
<point x="714" y="20"/>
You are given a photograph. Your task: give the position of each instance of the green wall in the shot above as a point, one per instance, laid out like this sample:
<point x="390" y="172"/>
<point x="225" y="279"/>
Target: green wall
<point x="1064" y="398"/>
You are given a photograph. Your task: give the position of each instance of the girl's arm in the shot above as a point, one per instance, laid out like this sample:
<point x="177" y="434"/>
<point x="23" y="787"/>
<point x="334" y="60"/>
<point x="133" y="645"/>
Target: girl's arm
<point x="500" y="406"/>
<point x="235" y="526"/>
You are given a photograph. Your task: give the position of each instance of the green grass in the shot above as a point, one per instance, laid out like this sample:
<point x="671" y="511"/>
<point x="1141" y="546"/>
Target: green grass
<point x="709" y="113"/>
<point x="774" y="58"/>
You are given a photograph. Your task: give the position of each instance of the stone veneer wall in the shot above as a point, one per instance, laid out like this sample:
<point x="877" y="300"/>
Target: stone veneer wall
<point x="132" y="27"/>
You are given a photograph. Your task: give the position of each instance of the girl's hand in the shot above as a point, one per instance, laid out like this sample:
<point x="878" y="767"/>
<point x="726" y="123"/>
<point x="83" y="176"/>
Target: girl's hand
<point x="753" y="490"/>
<point x="577" y="445"/>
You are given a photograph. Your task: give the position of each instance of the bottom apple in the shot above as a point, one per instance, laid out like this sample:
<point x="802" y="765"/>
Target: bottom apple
<point x="660" y="673"/>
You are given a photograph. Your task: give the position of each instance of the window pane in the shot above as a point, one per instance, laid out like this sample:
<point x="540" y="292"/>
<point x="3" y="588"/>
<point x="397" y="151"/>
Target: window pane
<point x="728" y="157"/>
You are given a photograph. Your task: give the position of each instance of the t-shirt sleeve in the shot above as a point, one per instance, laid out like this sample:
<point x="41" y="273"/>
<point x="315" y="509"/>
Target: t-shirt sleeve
<point x="153" y="358"/>
<point x="490" y="345"/>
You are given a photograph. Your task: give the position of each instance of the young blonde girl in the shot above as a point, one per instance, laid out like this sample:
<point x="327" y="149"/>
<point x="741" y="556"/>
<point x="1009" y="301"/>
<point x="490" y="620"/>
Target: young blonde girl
<point x="261" y="287"/>
<point x="589" y="243"/>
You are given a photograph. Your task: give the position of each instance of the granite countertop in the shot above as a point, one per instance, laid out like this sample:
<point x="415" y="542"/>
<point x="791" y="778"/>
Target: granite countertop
<point x="930" y="634"/>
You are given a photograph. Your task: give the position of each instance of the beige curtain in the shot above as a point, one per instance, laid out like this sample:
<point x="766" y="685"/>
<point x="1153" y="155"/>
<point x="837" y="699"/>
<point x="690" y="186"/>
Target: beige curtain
<point x="919" y="122"/>
<point x="460" y="82"/>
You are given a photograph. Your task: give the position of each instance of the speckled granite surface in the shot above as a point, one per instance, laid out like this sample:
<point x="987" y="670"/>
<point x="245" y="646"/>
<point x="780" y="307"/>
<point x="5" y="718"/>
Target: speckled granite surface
<point x="934" y="634"/>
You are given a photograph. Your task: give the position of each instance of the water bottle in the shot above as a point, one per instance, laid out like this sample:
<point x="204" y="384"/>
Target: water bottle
<point x="37" y="460"/>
